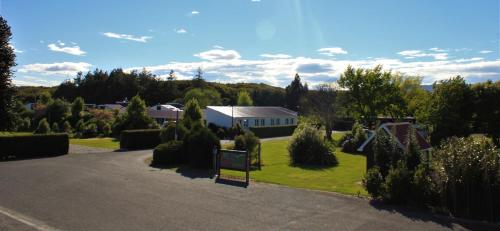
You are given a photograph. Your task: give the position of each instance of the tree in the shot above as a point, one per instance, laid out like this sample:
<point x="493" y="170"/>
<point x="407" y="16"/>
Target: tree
<point x="294" y="92"/>
<point x="198" y="80"/>
<point x="487" y="109"/>
<point x="322" y="104"/>
<point x="135" y="117"/>
<point x="415" y="97"/>
<point x="451" y="109"/>
<point x="43" y="127"/>
<point x="244" y="99"/>
<point x="204" y="96"/>
<point x="57" y="111"/>
<point x="372" y="93"/>
<point x="7" y="61"/>
<point x="171" y="75"/>
<point x="77" y="108"/>
<point x="192" y="114"/>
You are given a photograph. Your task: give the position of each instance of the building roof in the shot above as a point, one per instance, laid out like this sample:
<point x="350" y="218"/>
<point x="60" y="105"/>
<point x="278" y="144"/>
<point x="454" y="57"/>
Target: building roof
<point x="400" y="132"/>
<point x="165" y="107"/>
<point x="253" y="111"/>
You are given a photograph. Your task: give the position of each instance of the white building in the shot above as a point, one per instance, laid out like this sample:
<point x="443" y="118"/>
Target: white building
<point x="164" y="113"/>
<point x="250" y="116"/>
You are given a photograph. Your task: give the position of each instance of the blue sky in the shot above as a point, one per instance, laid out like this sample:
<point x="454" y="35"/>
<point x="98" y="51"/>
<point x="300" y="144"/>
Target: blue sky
<point x="254" y="41"/>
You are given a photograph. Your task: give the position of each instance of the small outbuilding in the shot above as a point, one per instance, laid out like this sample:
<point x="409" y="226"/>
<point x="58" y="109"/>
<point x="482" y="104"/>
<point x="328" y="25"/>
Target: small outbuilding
<point x="399" y="131"/>
<point x="164" y="112"/>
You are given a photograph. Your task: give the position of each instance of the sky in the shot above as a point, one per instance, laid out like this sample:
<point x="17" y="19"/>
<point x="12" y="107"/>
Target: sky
<point x="262" y="41"/>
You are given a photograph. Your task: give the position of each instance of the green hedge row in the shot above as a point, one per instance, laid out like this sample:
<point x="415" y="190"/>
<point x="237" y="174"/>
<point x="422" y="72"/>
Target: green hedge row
<point x="140" y="139"/>
<point x="33" y="146"/>
<point x="267" y="132"/>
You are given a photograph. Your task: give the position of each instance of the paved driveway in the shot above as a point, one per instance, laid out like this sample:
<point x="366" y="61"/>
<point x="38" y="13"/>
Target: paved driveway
<point x="117" y="191"/>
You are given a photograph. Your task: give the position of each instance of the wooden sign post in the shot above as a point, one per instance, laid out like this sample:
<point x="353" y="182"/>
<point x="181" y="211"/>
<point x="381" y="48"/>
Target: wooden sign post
<point x="234" y="160"/>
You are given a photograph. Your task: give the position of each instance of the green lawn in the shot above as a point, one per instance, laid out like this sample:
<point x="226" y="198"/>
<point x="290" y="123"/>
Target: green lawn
<point x="344" y="178"/>
<point x="110" y="143"/>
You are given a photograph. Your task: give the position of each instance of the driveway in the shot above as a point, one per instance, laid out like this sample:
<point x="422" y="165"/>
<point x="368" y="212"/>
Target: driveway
<point x="118" y="191"/>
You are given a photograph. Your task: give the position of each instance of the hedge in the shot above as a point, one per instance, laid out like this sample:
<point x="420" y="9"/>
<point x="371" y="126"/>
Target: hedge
<point x="33" y="146"/>
<point x="140" y="139"/>
<point x="171" y="152"/>
<point x="266" y="132"/>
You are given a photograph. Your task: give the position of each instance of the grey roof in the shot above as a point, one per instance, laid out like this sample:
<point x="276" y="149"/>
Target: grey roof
<point x="253" y="111"/>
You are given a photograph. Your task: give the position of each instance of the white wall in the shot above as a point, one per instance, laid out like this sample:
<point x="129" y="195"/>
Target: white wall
<point x="223" y="120"/>
<point x="217" y="118"/>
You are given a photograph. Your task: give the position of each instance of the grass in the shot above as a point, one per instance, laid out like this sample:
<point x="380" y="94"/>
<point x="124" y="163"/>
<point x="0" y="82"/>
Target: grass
<point x="344" y="178"/>
<point x="109" y="143"/>
<point x="15" y="133"/>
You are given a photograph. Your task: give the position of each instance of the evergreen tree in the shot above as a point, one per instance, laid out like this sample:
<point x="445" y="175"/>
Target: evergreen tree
<point x="244" y="99"/>
<point x="7" y="61"/>
<point x="77" y="108"/>
<point x="294" y="92"/>
<point x="192" y="114"/>
<point x="43" y="127"/>
<point x="171" y="75"/>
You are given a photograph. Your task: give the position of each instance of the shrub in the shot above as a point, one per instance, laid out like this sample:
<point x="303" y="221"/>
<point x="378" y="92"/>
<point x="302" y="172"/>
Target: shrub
<point x="135" y="117"/>
<point x="67" y="127"/>
<point x="374" y="182"/>
<point x="219" y="131"/>
<point x="398" y="184"/>
<point x="140" y="139"/>
<point x="424" y="189"/>
<point x="386" y="151"/>
<point x="79" y="127"/>
<point x="199" y="146"/>
<point x="32" y="146"/>
<point x="90" y="130"/>
<point x="168" y="133"/>
<point x="267" y="132"/>
<point x="55" y="127"/>
<point x="171" y="152"/>
<point x="248" y="142"/>
<point x="470" y="177"/>
<point x="234" y="131"/>
<point x="43" y="127"/>
<point x="106" y="129"/>
<point x="354" y="139"/>
<point x="307" y="147"/>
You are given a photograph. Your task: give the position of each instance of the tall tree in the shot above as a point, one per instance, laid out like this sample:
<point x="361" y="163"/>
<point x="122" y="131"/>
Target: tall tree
<point x="373" y="92"/>
<point x="294" y="92"/>
<point x="192" y="114"/>
<point x="451" y="109"/>
<point x="244" y="99"/>
<point x="7" y="61"/>
<point x="171" y="75"/>
<point x="322" y="104"/>
<point x="204" y="97"/>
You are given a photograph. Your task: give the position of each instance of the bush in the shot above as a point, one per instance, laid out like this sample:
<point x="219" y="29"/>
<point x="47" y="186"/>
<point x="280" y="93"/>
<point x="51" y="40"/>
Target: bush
<point x="171" y="152"/>
<point x="199" y="146"/>
<point x="470" y="177"/>
<point x="307" y="147"/>
<point x="353" y="140"/>
<point x="398" y="184"/>
<point x="79" y="127"/>
<point x="374" y="182"/>
<point x="90" y="130"/>
<point x="234" y="131"/>
<point x="55" y="127"/>
<point x="248" y="142"/>
<point x="106" y="129"/>
<point x="219" y="131"/>
<point x="43" y="127"/>
<point x="267" y="132"/>
<point x="140" y="139"/>
<point x="168" y="133"/>
<point x="32" y="146"/>
<point x="67" y="127"/>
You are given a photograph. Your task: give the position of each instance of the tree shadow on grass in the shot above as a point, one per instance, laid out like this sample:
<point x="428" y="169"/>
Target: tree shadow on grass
<point x="420" y="214"/>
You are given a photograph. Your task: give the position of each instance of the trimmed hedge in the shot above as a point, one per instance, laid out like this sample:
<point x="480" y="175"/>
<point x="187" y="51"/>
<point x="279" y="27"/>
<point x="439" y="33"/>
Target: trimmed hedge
<point x="267" y="132"/>
<point x="171" y="152"/>
<point x="140" y="139"/>
<point x="33" y="146"/>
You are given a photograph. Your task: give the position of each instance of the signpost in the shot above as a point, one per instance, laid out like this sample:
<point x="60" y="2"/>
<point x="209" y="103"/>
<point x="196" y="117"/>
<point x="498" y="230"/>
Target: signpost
<point x="233" y="160"/>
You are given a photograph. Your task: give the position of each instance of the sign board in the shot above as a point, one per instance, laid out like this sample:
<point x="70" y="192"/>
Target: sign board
<point x="233" y="160"/>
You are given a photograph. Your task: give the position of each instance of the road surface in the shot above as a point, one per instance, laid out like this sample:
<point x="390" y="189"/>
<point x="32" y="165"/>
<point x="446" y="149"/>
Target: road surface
<point x="118" y="191"/>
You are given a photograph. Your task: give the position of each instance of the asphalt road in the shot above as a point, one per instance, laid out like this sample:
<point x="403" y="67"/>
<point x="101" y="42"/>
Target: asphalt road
<point x="118" y="191"/>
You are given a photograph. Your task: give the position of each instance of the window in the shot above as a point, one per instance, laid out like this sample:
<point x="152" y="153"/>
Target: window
<point x="291" y="121"/>
<point x="272" y="121"/>
<point x="262" y="122"/>
<point x="286" y="121"/>
<point x="245" y="123"/>
<point x="158" y="108"/>
<point x="256" y="122"/>
<point x="278" y="121"/>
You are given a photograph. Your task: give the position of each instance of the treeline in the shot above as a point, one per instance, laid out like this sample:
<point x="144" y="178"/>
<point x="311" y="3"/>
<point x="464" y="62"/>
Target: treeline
<point x="100" y="87"/>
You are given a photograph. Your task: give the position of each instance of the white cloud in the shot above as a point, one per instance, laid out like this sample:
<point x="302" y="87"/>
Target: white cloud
<point x="62" y="69"/>
<point x="218" y="54"/>
<point x="411" y="54"/>
<point x="219" y="66"/>
<point x="437" y="49"/>
<point x="332" y="51"/>
<point x="72" y="50"/>
<point x="142" y="39"/>
<point x="34" y="81"/>
<point x="14" y="48"/>
<point x="255" y="0"/>
<point x="180" y="31"/>
<point x="485" y="51"/>
<point x="276" y="56"/>
<point x="195" y="12"/>
<point x="218" y="47"/>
